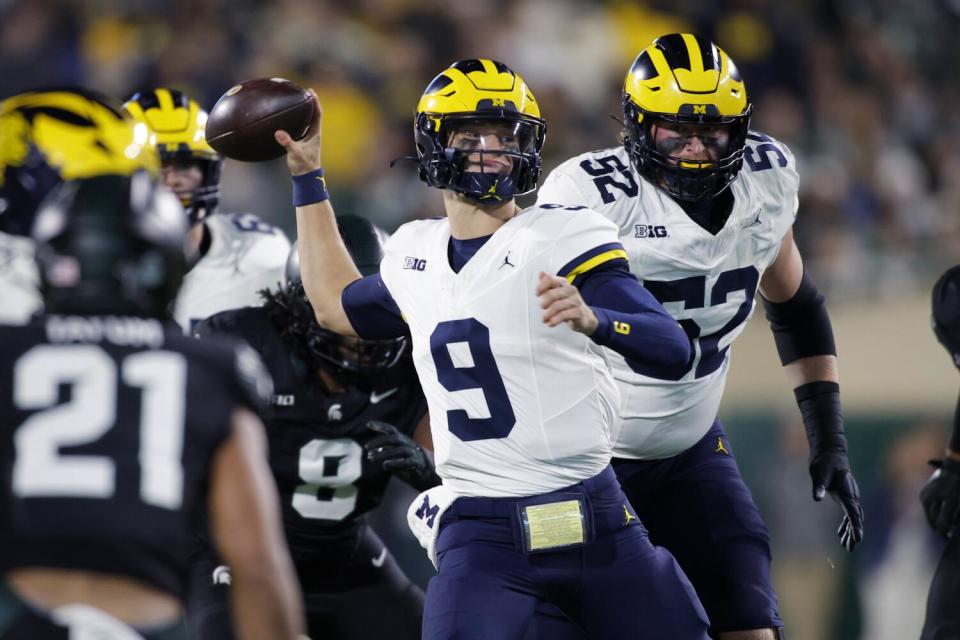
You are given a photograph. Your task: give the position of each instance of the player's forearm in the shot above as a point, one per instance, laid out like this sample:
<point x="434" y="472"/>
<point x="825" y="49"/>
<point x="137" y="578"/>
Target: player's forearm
<point x="632" y="322"/>
<point x="265" y="601"/>
<point x="325" y="264"/>
<point x="644" y="337"/>
<point x="812" y="369"/>
<point x="246" y="525"/>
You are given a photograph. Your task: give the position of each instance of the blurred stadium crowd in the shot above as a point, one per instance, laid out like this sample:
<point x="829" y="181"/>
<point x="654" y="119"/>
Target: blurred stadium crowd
<point x="865" y="92"/>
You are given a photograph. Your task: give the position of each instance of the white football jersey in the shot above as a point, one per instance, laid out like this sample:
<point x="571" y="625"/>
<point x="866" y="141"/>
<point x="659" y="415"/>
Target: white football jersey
<point x="517" y="408"/>
<point x="707" y="282"/>
<point x="245" y="255"/>
<point x="19" y="282"/>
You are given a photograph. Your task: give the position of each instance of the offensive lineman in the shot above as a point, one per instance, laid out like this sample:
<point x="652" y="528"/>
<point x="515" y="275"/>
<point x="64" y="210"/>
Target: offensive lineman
<point x="110" y="455"/>
<point x="703" y="236"/>
<point x="520" y="407"/>
<point x="234" y="255"/>
<point x="340" y="423"/>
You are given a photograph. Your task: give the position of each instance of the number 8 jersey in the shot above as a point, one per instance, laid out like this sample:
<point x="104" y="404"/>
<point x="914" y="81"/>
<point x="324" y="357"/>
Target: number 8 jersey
<point x="516" y="407"/>
<point x="707" y="282"/>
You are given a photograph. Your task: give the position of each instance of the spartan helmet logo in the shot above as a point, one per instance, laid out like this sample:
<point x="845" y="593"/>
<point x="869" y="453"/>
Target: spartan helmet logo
<point x="335" y="413"/>
<point x="221" y="575"/>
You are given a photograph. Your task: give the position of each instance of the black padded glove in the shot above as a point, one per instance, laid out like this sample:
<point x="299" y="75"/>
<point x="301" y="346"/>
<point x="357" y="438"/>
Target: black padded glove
<point x="830" y="472"/>
<point x="400" y="455"/>
<point x="940" y="497"/>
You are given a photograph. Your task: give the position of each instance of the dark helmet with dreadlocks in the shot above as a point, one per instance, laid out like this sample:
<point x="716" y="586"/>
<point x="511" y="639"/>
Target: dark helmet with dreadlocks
<point x="343" y="356"/>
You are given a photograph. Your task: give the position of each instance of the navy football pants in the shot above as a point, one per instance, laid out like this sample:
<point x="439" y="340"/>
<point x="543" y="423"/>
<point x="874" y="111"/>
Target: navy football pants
<point x="696" y="505"/>
<point x="616" y="586"/>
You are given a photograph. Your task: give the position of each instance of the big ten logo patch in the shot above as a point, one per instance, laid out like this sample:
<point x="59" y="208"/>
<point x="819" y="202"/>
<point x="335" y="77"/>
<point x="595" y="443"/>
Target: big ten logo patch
<point x="649" y="231"/>
<point x="416" y="264"/>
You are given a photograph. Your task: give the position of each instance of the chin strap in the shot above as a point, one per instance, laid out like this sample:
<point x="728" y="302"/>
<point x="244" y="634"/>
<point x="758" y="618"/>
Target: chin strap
<point x="487" y="188"/>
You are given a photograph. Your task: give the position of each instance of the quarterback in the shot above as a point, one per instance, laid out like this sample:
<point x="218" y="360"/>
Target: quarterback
<point x="704" y="208"/>
<point x="520" y="406"/>
<point x="234" y="255"/>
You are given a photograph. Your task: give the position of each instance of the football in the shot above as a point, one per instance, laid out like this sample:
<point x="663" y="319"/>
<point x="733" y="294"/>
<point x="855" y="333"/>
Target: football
<point x="241" y="124"/>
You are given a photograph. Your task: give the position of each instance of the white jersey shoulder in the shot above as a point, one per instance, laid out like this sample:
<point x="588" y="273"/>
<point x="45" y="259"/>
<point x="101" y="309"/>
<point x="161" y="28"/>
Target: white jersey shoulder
<point x="707" y="281"/>
<point x="516" y="407"/>
<point x="19" y="282"/>
<point x="245" y="255"/>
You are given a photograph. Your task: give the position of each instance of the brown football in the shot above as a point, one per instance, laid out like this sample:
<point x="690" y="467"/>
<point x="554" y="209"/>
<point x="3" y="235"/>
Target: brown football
<point x="242" y="123"/>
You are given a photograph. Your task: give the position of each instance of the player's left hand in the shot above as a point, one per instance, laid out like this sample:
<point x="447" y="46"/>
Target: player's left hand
<point x="399" y="454"/>
<point x="830" y="472"/>
<point x="561" y="302"/>
<point x="940" y="497"/>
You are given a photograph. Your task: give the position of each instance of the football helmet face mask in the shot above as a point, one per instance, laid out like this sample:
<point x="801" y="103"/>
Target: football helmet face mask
<point x="349" y="359"/>
<point x="682" y="88"/>
<point x="479" y="132"/>
<point x="62" y="134"/>
<point x="110" y="245"/>
<point x="177" y="131"/>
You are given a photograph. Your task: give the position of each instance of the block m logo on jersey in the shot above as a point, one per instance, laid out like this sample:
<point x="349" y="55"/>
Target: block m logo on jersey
<point x="427" y="512"/>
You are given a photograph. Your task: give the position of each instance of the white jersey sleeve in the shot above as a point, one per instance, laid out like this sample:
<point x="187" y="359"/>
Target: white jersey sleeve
<point x="245" y="255"/>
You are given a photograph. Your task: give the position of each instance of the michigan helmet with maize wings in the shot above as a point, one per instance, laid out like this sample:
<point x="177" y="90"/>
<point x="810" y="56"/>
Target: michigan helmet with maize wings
<point x="62" y="134"/>
<point x="479" y="132"/>
<point x="686" y="82"/>
<point x="177" y="129"/>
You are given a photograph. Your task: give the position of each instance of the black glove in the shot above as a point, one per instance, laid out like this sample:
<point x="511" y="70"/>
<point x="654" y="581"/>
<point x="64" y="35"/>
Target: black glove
<point x="940" y="497"/>
<point x="400" y="455"/>
<point x="830" y="472"/>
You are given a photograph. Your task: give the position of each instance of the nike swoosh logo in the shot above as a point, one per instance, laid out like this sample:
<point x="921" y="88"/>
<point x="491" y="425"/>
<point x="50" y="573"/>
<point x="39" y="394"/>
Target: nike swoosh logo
<point x="379" y="560"/>
<point x="379" y="397"/>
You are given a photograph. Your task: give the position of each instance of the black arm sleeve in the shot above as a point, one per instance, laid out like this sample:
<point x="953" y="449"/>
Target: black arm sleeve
<point x="801" y="327"/>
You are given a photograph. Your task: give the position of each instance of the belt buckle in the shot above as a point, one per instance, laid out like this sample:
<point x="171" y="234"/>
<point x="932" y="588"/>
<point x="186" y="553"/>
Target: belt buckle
<point x="549" y="526"/>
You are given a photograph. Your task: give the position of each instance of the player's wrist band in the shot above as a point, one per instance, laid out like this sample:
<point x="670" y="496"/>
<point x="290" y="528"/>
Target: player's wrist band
<point x="310" y="188"/>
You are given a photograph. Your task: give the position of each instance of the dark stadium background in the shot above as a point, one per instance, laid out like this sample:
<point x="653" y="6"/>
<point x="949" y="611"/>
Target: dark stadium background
<point x="865" y="92"/>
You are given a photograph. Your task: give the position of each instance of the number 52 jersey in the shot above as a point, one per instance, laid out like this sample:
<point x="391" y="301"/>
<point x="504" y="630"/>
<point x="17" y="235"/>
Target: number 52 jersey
<point x="517" y="408"/>
<point x="707" y="282"/>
